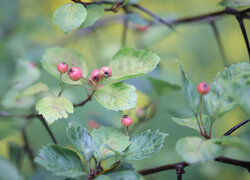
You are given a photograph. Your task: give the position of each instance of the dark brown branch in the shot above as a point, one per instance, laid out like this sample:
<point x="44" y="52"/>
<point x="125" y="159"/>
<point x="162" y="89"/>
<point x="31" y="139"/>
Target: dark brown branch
<point x="27" y="148"/>
<point x="85" y="101"/>
<point x="230" y="131"/>
<point x="48" y="129"/>
<point x="244" y="164"/>
<point x="219" y="42"/>
<point x="243" y="30"/>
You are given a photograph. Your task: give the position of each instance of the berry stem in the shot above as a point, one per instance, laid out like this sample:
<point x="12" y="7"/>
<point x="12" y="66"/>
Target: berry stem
<point x="127" y="131"/>
<point x="200" y="115"/>
<point x="61" y="85"/>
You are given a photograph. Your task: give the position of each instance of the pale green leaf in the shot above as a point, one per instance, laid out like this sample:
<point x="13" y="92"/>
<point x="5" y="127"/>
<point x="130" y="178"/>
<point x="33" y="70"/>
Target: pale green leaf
<point x="128" y="63"/>
<point x="61" y="161"/>
<point x="234" y="141"/>
<point x="94" y="13"/>
<point x="145" y="145"/>
<point x="53" y="56"/>
<point x="70" y="16"/>
<point x="53" y="108"/>
<point x="8" y="171"/>
<point x="117" y="96"/>
<point x="190" y="92"/>
<point x="217" y="100"/>
<point x="81" y="140"/>
<point x="192" y="122"/>
<point x="195" y="149"/>
<point x="137" y="19"/>
<point x="235" y="3"/>
<point x="110" y="136"/>
<point x="161" y="87"/>
<point x="34" y="89"/>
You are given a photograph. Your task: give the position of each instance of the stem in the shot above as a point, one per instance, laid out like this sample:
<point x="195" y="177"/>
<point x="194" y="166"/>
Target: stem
<point x="198" y="122"/>
<point x="230" y="131"/>
<point x="48" y="129"/>
<point x="210" y="129"/>
<point x="61" y="85"/>
<point x="127" y="131"/>
<point x="200" y="115"/>
<point x="125" y="31"/>
<point x="243" y="30"/>
<point x="219" y="42"/>
<point x="27" y="148"/>
<point x="86" y="100"/>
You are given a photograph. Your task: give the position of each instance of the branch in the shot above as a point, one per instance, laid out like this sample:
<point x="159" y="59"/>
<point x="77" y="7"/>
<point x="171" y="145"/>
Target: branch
<point x="230" y="131"/>
<point x="86" y="100"/>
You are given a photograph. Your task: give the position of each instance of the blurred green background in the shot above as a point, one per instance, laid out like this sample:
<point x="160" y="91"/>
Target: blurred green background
<point x="26" y="30"/>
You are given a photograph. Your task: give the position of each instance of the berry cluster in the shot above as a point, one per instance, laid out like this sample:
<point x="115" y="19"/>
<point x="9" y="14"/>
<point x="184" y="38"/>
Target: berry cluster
<point x="75" y="73"/>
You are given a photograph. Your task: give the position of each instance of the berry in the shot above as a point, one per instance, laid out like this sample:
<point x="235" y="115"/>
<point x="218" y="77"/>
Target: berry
<point x="105" y="72"/>
<point x="95" y="75"/>
<point x="75" y="73"/>
<point x="142" y="28"/>
<point x="62" y="67"/>
<point x="126" y="121"/>
<point x="203" y="88"/>
<point x="93" y="124"/>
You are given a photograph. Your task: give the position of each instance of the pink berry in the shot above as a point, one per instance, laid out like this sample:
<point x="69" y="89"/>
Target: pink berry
<point x="75" y="73"/>
<point x="93" y="124"/>
<point x="126" y="121"/>
<point x="95" y="75"/>
<point x="62" y="67"/>
<point x="203" y="88"/>
<point x="105" y="72"/>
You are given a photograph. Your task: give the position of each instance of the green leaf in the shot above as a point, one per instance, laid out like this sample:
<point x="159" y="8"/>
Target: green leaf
<point x="128" y="63"/>
<point x="195" y="149"/>
<point x="137" y="19"/>
<point x="154" y="34"/>
<point x="8" y="171"/>
<point x="61" y="161"/>
<point x="125" y="175"/>
<point x="53" y="56"/>
<point x="235" y="3"/>
<point x="234" y="141"/>
<point x="94" y="13"/>
<point x="70" y="16"/>
<point x="145" y="145"/>
<point x="192" y="122"/>
<point x="190" y="92"/>
<point x="36" y="88"/>
<point x="53" y="108"/>
<point x="110" y="136"/>
<point x="117" y="96"/>
<point x="81" y="140"/>
<point x="161" y="87"/>
<point x="217" y="100"/>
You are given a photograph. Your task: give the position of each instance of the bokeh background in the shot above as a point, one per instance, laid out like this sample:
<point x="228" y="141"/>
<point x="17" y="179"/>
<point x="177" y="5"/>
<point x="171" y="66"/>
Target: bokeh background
<point x="26" y="30"/>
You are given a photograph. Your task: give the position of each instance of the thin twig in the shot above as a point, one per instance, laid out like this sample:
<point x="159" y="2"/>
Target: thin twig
<point x="243" y="30"/>
<point x="48" y="129"/>
<point x="27" y="148"/>
<point x="219" y="42"/>
<point x="85" y="101"/>
<point x="230" y="131"/>
<point x="124" y="31"/>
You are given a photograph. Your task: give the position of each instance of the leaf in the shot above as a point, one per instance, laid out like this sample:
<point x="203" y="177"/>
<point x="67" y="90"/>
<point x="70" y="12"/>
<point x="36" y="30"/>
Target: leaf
<point x="125" y="175"/>
<point x="154" y="34"/>
<point x="195" y="149"/>
<point x="137" y="19"/>
<point x="117" y="96"/>
<point x="8" y="171"/>
<point x="36" y="88"/>
<point x="61" y="161"/>
<point x="192" y="122"/>
<point x="234" y="141"/>
<point x="235" y="3"/>
<point x="53" y="56"/>
<point x="217" y="101"/>
<point x="81" y="140"/>
<point x="110" y="136"/>
<point x="161" y="87"/>
<point x="145" y="145"/>
<point x="129" y="63"/>
<point x="94" y="13"/>
<point x="190" y="92"/>
<point x="53" y="108"/>
<point x="70" y="16"/>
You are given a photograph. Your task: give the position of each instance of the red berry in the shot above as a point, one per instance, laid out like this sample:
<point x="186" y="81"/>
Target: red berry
<point x="62" y="67"/>
<point x="142" y="28"/>
<point x="105" y="72"/>
<point x="95" y="75"/>
<point x="75" y="73"/>
<point x="203" y="88"/>
<point x="126" y="121"/>
<point x="93" y="124"/>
